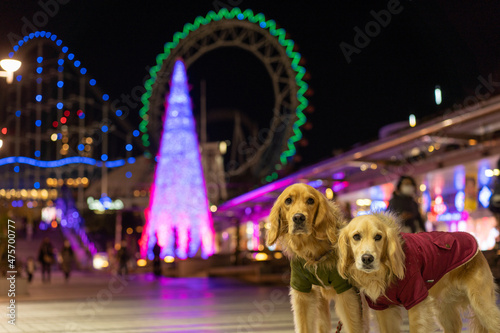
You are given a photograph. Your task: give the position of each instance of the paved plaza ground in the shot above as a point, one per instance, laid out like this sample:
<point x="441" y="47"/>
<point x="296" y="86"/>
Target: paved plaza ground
<point x="143" y="303"/>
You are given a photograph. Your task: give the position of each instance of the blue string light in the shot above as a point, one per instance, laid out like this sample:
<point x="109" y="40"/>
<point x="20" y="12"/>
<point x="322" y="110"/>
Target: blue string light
<point x="114" y="164"/>
<point x="129" y="147"/>
<point x="71" y="56"/>
<point x="61" y="162"/>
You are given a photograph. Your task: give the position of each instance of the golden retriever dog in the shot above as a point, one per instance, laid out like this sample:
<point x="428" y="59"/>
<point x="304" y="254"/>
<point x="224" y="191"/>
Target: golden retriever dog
<point x="306" y="225"/>
<point x="429" y="273"/>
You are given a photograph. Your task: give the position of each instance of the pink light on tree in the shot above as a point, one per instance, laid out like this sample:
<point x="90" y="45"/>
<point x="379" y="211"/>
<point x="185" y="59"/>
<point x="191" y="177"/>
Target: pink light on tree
<point x="179" y="216"/>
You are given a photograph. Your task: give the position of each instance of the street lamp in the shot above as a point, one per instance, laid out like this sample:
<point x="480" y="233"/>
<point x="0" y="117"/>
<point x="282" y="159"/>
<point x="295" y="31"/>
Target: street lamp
<point x="9" y="66"/>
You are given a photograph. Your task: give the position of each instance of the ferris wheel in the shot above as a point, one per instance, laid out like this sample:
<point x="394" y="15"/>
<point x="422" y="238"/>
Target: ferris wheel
<point x="267" y="43"/>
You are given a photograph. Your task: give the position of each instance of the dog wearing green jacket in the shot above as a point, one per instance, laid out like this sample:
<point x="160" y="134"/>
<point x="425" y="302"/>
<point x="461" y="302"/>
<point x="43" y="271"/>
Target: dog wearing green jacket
<point x="306" y="226"/>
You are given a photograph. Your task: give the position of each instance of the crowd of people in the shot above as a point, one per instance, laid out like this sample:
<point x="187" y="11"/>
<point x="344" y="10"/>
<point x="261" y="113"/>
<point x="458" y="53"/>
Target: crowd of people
<point x="47" y="257"/>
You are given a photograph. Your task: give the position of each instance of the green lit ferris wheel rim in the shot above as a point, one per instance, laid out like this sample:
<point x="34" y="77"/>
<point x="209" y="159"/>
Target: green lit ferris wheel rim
<point x="260" y="20"/>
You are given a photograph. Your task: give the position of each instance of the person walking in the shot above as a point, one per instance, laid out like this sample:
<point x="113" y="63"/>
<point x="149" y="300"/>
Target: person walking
<point x="157" y="260"/>
<point x="123" y="257"/>
<point x="30" y="268"/>
<point x="46" y="258"/>
<point x="67" y="256"/>
<point x="404" y="205"/>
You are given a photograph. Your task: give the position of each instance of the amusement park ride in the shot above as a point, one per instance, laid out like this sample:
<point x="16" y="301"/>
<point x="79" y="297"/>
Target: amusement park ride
<point x="59" y="128"/>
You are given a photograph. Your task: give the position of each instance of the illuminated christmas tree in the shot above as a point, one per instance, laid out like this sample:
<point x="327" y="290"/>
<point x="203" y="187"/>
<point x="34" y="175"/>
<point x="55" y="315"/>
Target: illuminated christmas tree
<point x="179" y="218"/>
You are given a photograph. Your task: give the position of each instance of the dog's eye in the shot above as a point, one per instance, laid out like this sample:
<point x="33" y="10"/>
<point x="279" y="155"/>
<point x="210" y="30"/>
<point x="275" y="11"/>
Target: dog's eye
<point x="356" y="237"/>
<point x="310" y="201"/>
<point x="288" y="201"/>
<point x="378" y="237"/>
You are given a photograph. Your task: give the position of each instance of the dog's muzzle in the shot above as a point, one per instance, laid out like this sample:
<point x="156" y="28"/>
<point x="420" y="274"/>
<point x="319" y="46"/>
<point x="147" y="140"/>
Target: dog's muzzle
<point x="299" y="223"/>
<point x="367" y="260"/>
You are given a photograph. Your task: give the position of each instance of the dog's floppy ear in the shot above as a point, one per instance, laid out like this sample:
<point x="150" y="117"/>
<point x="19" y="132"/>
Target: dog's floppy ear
<point x="344" y="253"/>
<point x="395" y="253"/>
<point x="327" y="219"/>
<point x="275" y="219"/>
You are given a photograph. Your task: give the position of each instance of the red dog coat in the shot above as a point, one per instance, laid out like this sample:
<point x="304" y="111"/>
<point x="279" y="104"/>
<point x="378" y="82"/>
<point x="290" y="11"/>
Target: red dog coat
<point x="429" y="256"/>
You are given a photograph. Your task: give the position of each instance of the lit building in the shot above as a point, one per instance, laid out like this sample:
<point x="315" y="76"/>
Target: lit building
<point x="452" y="158"/>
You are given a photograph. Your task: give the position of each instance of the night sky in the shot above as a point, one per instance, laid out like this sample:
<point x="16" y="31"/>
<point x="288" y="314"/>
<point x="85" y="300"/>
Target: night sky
<point x="426" y="43"/>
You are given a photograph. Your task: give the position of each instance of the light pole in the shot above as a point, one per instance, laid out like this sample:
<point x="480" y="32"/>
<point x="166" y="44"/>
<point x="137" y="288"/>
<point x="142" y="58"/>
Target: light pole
<point x="9" y="66"/>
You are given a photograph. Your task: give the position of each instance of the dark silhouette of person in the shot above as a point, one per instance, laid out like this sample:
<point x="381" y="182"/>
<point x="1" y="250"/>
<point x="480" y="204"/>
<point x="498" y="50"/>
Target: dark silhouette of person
<point x="67" y="256"/>
<point x="123" y="258"/>
<point x="30" y="268"/>
<point x="46" y="258"/>
<point x="157" y="260"/>
<point x="403" y="204"/>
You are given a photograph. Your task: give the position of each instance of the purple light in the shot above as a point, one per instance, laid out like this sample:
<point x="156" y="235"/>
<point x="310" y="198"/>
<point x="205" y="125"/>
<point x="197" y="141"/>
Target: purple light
<point x="338" y="175"/>
<point x="315" y="183"/>
<point x="339" y="186"/>
<point x="179" y="207"/>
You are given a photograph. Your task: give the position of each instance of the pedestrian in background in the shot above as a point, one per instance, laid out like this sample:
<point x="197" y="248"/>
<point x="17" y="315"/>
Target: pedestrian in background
<point x="46" y="258"/>
<point x="67" y="256"/>
<point x="404" y="205"/>
<point x="157" y="260"/>
<point x="123" y="257"/>
<point x="30" y="268"/>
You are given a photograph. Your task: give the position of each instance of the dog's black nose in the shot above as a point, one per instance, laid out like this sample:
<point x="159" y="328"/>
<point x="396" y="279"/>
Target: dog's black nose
<point x="367" y="259"/>
<point x="299" y="218"/>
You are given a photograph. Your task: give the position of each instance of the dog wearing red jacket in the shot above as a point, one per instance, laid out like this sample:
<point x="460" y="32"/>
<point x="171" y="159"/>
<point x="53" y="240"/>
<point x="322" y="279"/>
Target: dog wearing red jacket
<point x="429" y="273"/>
